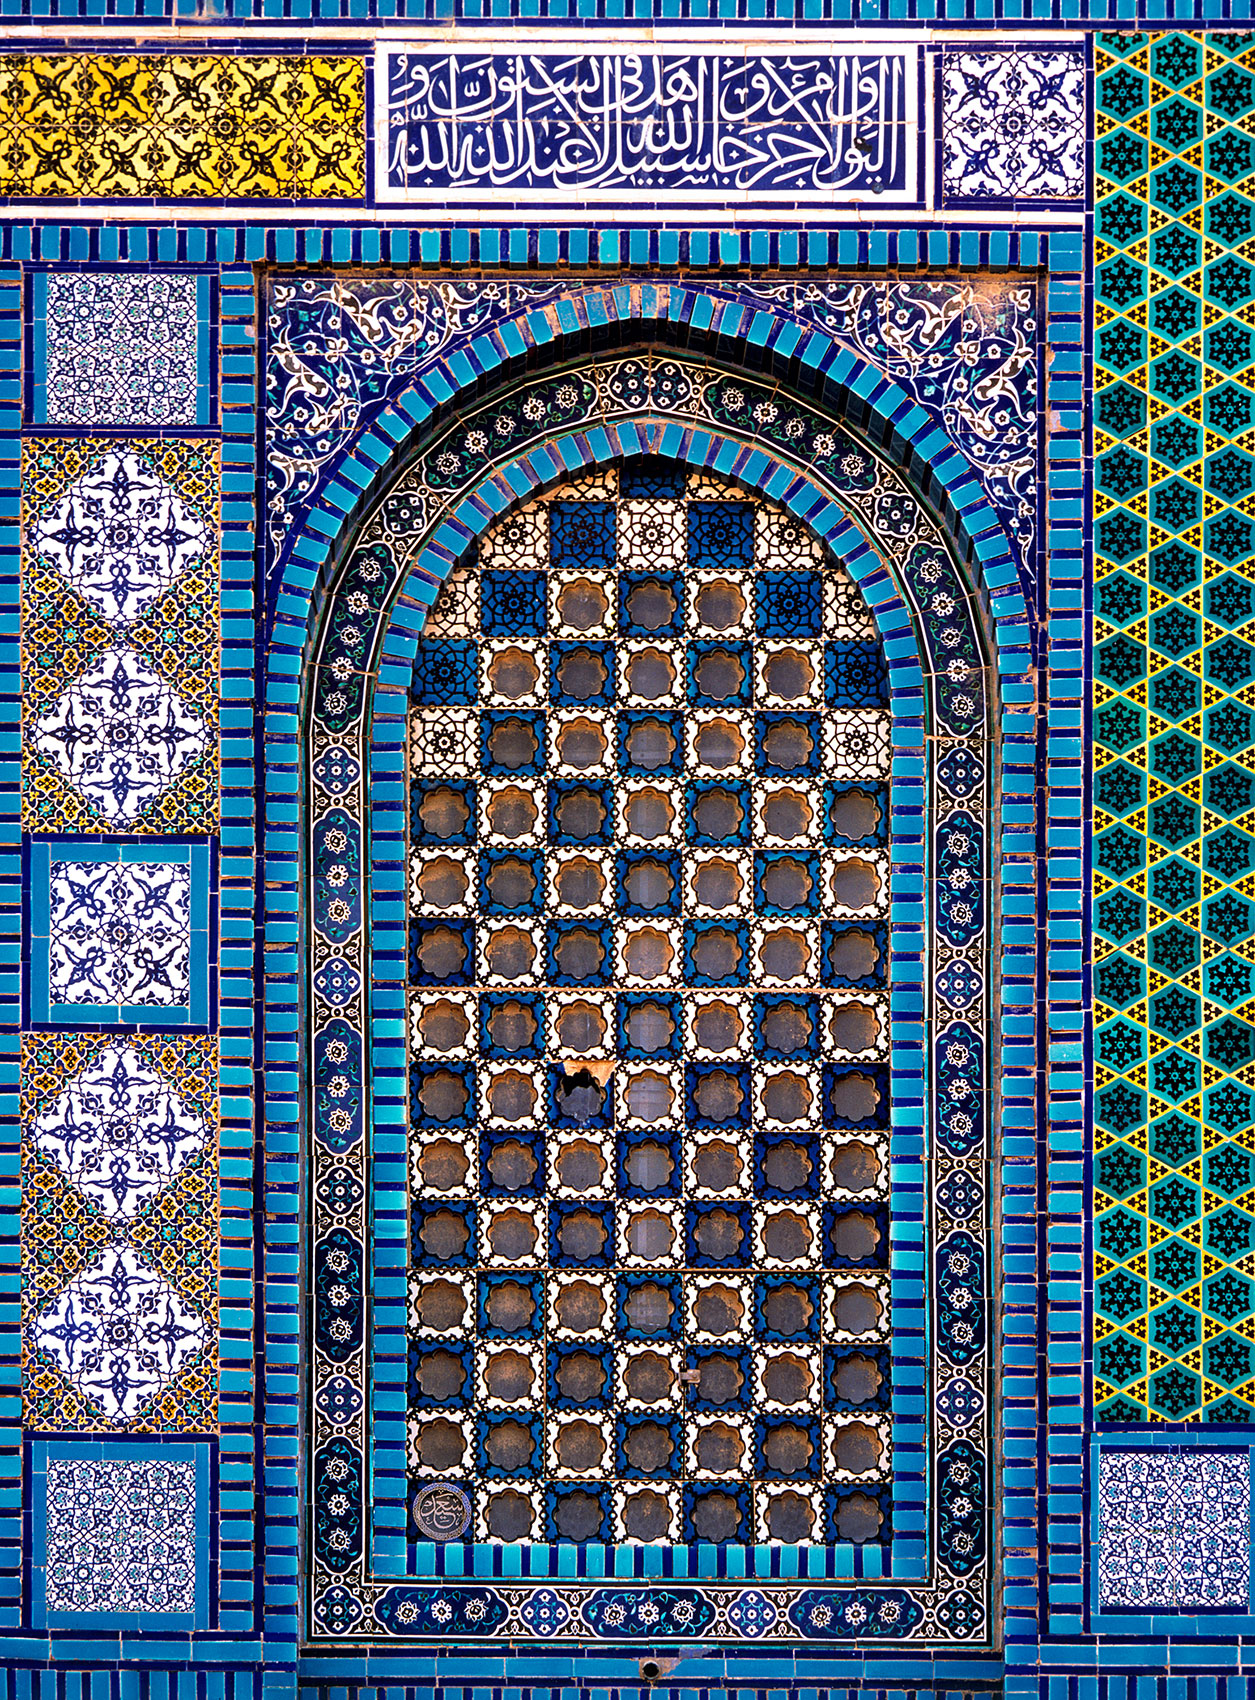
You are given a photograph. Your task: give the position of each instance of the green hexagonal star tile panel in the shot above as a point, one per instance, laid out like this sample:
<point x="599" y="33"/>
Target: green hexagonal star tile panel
<point x="1174" y="729"/>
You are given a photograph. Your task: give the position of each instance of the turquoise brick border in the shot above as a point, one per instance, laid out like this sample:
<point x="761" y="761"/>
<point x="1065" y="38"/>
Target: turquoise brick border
<point x="1043" y="1029"/>
<point x="10" y="948"/>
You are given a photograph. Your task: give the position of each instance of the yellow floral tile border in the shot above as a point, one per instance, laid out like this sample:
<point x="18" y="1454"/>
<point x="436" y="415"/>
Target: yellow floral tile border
<point x="182" y="126"/>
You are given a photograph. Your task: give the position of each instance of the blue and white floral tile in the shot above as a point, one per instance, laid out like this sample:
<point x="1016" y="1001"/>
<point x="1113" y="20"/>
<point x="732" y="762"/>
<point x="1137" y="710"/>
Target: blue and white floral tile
<point x="120" y="628"/>
<point x="121" y="348"/>
<point x="1013" y="124"/>
<point x="119" y="934"/>
<point x="1174" y="1529"/>
<point x="121" y="1535"/>
<point x="119" y="1237"/>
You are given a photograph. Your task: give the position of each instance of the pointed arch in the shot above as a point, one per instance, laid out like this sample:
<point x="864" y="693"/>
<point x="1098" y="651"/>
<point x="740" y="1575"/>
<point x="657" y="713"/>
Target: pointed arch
<point x="446" y="491"/>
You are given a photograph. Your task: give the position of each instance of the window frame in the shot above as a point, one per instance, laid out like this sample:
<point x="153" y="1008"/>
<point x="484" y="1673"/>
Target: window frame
<point x="906" y="1589"/>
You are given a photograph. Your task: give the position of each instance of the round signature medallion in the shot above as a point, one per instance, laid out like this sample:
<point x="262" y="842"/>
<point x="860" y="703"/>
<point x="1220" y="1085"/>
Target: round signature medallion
<point x="442" y="1511"/>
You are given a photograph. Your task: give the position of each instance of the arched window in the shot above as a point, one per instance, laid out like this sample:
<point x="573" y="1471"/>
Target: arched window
<point x="633" y="692"/>
<point x="648" y="897"/>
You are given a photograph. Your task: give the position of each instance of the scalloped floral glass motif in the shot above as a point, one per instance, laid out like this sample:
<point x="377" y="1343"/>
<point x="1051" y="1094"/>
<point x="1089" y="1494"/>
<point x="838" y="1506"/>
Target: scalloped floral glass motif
<point x="648" y="889"/>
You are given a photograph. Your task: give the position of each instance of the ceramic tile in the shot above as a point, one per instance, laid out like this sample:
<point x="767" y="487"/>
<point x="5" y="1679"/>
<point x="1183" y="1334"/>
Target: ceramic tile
<point x="1174" y="1529"/>
<point x="184" y="126"/>
<point x="121" y="1537"/>
<point x="1013" y="125"/>
<point x="116" y="348"/>
<point x="120" y="624"/>
<point x="1174" y="776"/>
<point x="806" y="127"/>
<point x="120" y="936"/>
<point x="119" y="1152"/>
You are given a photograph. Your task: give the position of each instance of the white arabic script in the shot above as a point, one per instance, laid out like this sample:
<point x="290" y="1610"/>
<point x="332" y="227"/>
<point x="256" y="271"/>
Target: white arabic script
<point x="590" y="122"/>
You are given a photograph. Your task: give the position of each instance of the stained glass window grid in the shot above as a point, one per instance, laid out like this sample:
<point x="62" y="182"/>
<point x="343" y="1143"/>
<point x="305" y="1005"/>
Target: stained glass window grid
<point x="453" y="614"/>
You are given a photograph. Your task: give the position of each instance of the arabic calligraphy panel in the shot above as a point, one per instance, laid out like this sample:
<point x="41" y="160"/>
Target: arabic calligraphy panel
<point x="754" y="129"/>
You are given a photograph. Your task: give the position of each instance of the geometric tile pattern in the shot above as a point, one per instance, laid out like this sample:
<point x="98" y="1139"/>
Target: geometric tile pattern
<point x="121" y="1535"/>
<point x="1174" y="1529"/>
<point x="120" y="349"/>
<point x="121" y="638"/>
<point x="119" y="1233"/>
<point x="1174" y="730"/>
<point x="1013" y="125"/>
<point x="669" y="863"/>
<point x="194" y="127"/>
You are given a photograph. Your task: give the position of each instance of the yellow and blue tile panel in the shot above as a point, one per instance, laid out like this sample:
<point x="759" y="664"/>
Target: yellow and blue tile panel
<point x="120" y="1233"/>
<point x="120" y="634"/>
<point x="182" y="127"/>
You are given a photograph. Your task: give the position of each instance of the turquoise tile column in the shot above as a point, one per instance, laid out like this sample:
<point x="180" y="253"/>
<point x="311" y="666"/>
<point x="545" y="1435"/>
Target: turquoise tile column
<point x="240" y="1471"/>
<point x="11" y="1529"/>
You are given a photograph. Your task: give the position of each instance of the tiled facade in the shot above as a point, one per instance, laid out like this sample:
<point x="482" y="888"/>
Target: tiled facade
<point x="624" y="872"/>
<point x="1172" y="754"/>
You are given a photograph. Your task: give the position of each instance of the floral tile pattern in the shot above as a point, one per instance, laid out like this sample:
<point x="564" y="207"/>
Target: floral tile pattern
<point x="120" y="933"/>
<point x="119" y="1132"/>
<point x="120" y="348"/>
<point x="339" y="346"/>
<point x="1174" y="1529"/>
<point x="120" y="636"/>
<point x="121" y="1535"/>
<point x="119" y="1334"/>
<point x="119" y="1233"/>
<point x="1174" y="732"/>
<point x="1013" y="125"/>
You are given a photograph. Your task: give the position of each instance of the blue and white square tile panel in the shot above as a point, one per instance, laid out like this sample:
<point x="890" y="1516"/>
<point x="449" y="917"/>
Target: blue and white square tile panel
<point x="121" y="348"/>
<point x="119" y="934"/>
<point x="1172" y="1526"/>
<point x="121" y="1535"/>
<point x="1013" y="124"/>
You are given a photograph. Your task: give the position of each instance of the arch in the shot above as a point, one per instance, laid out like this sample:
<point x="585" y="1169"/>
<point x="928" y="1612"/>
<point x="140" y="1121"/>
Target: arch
<point x="916" y="649"/>
<point x="804" y="467"/>
<point x="750" y="336"/>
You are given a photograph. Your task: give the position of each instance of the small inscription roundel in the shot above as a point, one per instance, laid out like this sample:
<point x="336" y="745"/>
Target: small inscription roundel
<point x="442" y="1511"/>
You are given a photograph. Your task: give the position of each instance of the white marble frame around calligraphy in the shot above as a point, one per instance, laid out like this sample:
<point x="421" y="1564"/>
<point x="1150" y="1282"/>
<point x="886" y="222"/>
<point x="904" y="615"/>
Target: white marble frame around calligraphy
<point x="636" y="202"/>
